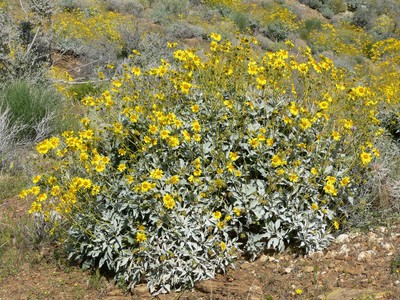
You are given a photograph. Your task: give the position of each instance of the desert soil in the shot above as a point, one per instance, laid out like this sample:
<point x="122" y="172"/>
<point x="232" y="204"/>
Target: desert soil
<point x="357" y="265"/>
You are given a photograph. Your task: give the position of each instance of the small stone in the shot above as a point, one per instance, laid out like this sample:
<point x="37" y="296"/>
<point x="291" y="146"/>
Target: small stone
<point x="246" y="265"/>
<point x="264" y="258"/>
<point x="397" y="282"/>
<point x="316" y="255"/>
<point x="287" y="270"/>
<point x="141" y="288"/>
<point x="354" y="270"/>
<point x="357" y="246"/>
<point x="371" y="237"/>
<point x="344" y="250"/>
<point x="382" y="229"/>
<point x="308" y="269"/>
<point x="331" y="265"/>
<point x="366" y="255"/>
<point x="342" y="238"/>
<point x="387" y="246"/>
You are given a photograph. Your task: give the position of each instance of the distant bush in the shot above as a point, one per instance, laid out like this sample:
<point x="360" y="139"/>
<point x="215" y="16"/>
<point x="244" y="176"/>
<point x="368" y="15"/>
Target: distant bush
<point x="31" y="108"/>
<point x="362" y="16"/>
<point x="184" y="30"/>
<point x="163" y="10"/>
<point x="24" y="48"/>
<point x="131" y="7"/>
<point x="308" y="26"/>
<point x="277" y="30"/>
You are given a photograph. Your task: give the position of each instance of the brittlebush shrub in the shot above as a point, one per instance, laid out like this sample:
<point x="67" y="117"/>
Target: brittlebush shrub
<point x="179" y="167"/>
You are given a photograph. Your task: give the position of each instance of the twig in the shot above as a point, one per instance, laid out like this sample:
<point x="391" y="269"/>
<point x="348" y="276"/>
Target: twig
<point x="33" y="41"/>
<point x="23" y="8"/>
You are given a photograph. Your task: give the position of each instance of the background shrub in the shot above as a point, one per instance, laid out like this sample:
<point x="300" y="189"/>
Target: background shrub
<point x="31" y="108"/>
<point x="184" y="30"/>
<point x="277" y="30"/>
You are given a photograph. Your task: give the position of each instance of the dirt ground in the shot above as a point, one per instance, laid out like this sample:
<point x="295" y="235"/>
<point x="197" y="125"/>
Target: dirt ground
<point x="358" y="265"/>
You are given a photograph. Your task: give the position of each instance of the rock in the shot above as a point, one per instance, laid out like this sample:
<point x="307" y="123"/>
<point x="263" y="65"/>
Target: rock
<point x="287" y="270"/>
<point x="366" y="255"/>
<point x="141" y="288"/>
<point x="342" y="238"/>
<point x="255" y="290"/>
<point x="371" y="237"/>
<point x="387" y="246"/>
<point x="316" y="255"/>
<point x="263" y="258"/>
<point x="382" y="229"/>
<point x="308" y="269"/>
<point x="344" y="250"/>
<point x="209" y="286"/>
<point x="354" y="270"/>
<point x="397" y="282"/>
<point x="246" y="265"/>
<point x="348" y="294"/>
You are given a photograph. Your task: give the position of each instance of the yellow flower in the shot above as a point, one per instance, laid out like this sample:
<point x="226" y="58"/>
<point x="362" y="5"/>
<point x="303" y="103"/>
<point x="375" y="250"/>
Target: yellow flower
<point x="252" y="68"/>
<point x="314" y="171"/>
<point x="146" y="186"/>
<point x="335" y="135"/>
<point x="330" y="179"/>
<point x="100" y="168"/>
<point x="215" y="36"/>
<point x="42" y="197"/>
<point x="293" y="178"/>
<point x="336" y="225"/>
<point x="233" y="156"/>
<point x="168" y="201"/>
<point x="196" y="126"/>
<point x="156" y="174"/>
<point x="330" y="189"/>
<point x="293" y="109"/>
<point x="173" y="141"/>
<point x="230" y="167"/>
<point x="173" y="179"/>
<point x="197" y="172"/>
<point x="305" y="123"/>
<point x="217" y="215"/>
<point x="95" y="190"/>
<point x="276" y="161"/>
<point x="254" y="142"/>
<point x="121" y="167"/>
<point x="270" y="142"/>
<point x="280" y="172"/>
<point x="299" y="291"/>
<point x="376" y="152"/>
<point x="153" y="129"/>
<point x="186" y="135"/>
<point x="197" y="137"/>
<point x="366" y="158"/>
<point x="314" y="206"/>
<point x="185" y="87"/>
<point x="136" y="71"/>
<point x="195" y="108"/>
<point x="164" y="134"/>
<point x="55" y="190"/>
<point x="35" y="207"/>
<point x="141" y="237"/>
<point x="237" y="211"/>
<point x="324" y="105"/>
<point x="345" y="181"/>
<point x="222" y="245"/>
<point x="36" y="179"/>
